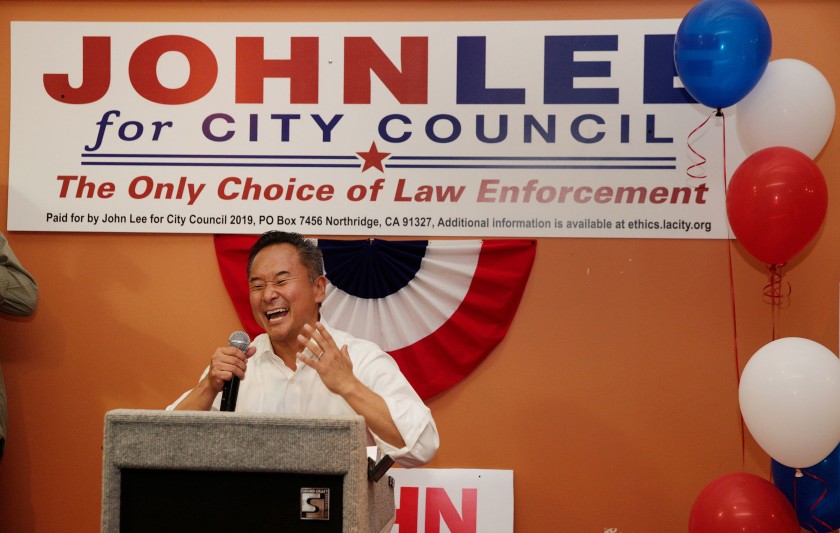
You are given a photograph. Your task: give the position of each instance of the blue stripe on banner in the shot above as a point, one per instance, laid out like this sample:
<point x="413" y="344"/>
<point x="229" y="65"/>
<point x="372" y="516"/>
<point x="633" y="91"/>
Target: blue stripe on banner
<point x="371" y="268"/>
<point x="445" y="162"/>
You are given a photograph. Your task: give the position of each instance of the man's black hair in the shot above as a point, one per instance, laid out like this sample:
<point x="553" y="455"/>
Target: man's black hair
<point x="309" y="253"/>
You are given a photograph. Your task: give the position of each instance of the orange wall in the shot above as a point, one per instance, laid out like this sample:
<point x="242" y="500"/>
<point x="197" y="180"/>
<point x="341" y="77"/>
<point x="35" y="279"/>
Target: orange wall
<point x="613" y="398"/>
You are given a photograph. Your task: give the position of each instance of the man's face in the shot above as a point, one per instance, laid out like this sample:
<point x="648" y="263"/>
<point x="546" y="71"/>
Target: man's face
<point x="282" y="297"/>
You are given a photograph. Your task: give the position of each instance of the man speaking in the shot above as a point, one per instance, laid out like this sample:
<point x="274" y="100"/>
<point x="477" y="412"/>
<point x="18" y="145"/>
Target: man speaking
<point x="302" y="366"/>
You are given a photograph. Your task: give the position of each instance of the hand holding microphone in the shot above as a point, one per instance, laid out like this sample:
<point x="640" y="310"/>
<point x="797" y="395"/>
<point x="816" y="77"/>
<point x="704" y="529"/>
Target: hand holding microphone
<point x="239" y="340"/>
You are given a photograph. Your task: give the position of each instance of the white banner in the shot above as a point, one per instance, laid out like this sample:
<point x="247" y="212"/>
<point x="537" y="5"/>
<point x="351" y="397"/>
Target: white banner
<point x="528" y="129"/>
<point x="456" y="500"/>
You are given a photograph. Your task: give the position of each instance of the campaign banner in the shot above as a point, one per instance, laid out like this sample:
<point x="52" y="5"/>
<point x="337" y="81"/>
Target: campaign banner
<point x="453" y="500"/>
<point x="486" y="129"/>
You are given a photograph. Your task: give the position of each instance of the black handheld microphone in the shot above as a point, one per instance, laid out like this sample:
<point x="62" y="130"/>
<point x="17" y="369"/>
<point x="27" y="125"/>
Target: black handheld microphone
<point x="241" y="340"/>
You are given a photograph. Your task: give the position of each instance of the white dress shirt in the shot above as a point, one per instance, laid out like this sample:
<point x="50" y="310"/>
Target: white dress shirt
<point x="272" y="387"/>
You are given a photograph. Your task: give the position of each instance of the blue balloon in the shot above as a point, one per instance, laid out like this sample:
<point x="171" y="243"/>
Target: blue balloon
<point x="816" y="495"/>
<point x="721" y="49"/>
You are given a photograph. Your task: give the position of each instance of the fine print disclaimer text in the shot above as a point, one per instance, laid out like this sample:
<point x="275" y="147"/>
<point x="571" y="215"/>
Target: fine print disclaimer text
<point x="329" y="223"/>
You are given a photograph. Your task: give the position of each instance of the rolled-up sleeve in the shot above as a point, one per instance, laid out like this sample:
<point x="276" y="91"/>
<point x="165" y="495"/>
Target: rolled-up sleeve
<point x="418" y="430"/>
<point x="412" y="417"/>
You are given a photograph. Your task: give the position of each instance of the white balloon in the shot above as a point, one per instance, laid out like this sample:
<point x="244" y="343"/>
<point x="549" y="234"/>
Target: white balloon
<point x="790" y="400"/>
<point x="791" y="105"/>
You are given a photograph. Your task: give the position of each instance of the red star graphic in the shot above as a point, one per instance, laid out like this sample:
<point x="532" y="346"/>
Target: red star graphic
<point x="373" y="158"/>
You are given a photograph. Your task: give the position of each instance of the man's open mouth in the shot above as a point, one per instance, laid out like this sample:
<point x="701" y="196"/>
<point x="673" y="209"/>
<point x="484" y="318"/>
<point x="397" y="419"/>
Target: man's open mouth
<point x="277" y="314"/>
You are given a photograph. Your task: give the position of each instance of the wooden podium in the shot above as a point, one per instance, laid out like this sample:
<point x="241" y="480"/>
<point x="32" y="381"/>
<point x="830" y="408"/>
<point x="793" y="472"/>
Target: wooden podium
<point x="218" y="471"/>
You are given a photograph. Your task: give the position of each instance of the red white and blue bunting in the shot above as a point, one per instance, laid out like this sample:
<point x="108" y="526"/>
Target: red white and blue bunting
<point x="438" y="307"/>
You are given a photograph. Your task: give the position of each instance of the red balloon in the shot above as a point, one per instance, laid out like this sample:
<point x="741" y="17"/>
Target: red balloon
<point x="776" y="203"/>
<point x="742" y="503"/>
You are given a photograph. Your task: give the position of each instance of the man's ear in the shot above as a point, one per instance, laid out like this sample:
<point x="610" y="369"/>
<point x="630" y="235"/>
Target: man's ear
<point x="319" y="286"/>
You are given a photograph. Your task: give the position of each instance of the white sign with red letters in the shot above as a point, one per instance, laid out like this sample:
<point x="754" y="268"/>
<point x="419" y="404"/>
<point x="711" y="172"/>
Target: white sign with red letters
<point x="453" y="500"/>
<point x="505" y="128"/>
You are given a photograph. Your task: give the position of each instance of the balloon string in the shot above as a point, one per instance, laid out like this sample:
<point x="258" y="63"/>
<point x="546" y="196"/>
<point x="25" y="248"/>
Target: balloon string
<point x="732" y="296"/>
<point x="735" y="347"/>
<point x="719" y="113"/>
<point x="702" y="159"/>
<point x="809" y="526"/>
<point x="821" y="498"/>
<point x="773" y="292"/>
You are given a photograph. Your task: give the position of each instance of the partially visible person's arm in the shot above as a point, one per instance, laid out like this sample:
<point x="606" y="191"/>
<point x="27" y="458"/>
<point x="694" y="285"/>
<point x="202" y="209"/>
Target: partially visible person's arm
<point x="18" y="290"/>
